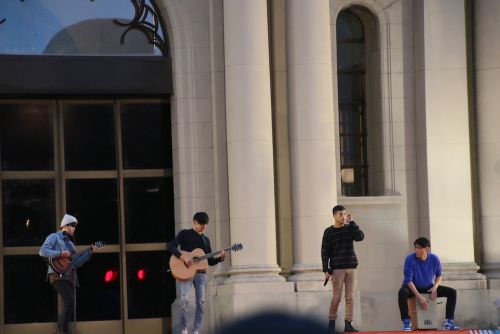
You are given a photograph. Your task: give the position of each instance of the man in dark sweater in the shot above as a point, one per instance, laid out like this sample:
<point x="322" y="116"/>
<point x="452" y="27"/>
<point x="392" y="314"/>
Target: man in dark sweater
<point x="340" y="263"/>
<point x="188" y="240"/>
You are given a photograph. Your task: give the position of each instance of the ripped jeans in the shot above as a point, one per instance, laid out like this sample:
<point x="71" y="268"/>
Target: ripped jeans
<point x="200" y="282"/>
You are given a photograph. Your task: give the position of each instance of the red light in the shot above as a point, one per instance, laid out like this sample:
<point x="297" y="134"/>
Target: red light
<point x="141" y="274"/>
<point x="110" y="276"/>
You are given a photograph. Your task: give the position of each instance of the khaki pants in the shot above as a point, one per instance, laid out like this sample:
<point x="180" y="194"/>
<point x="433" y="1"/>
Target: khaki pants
<point x="339" y="277"/>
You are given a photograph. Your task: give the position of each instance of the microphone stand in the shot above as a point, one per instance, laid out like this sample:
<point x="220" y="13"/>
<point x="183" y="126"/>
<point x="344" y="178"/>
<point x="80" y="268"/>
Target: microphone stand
<point x="74" y="306"/>
<point x="74" y="290"/>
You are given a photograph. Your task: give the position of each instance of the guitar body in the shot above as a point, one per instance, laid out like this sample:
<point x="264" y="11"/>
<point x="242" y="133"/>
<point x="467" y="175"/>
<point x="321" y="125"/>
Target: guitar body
<point x="183" y="273"/>
<point x="61" y="265"/>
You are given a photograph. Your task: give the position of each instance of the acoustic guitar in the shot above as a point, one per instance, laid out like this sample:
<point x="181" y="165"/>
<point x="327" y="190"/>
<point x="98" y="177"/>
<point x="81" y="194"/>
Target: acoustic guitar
<point x="62" y="265"/>
<point x="182" y="272"/>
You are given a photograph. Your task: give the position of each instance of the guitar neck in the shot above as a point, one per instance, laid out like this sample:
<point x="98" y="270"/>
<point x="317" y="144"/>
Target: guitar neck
<point x="209" y="255"/>
<point x="84" y="251"/>
<point x="90" y="248"/>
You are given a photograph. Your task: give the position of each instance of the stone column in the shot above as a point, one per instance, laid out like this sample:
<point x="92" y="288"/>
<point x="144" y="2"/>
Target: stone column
<point x="487" y="72"/>
<point x="249" y="141"/>
<point x="312" y="132"/>
<point x="443" y="143"/>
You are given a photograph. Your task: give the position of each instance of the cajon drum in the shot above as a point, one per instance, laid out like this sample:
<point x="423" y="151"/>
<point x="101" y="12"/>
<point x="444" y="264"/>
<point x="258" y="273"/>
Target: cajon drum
<point x="424" y="319"/>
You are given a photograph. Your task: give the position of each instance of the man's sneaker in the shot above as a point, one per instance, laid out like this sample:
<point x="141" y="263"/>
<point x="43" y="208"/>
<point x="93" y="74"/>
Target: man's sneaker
<point x="449" y="324"/>
<point x="184" y="331"/>
<point x="196" y="332"/>
<point x="407" y="325"/>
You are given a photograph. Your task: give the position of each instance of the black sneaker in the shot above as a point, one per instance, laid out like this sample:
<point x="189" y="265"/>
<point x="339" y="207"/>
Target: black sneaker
<point x="348" y="327"/>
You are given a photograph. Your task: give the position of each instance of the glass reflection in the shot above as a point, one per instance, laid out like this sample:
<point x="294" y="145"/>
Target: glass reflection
<point x="99" y="293"/>
<point x="26" y="137"/>
<point x="70" y="27"/>
<point x="89" y="137"/>
<point x="28" y="297"/>
<point x="149" y="209"/>
<point x="151" y="290"/>
<point x="349" y="26"/>
<point x="146" y="136"/>
<point x="28" y="211"/>
<point x="94" y="202"/>
<point x="351" y="75"/>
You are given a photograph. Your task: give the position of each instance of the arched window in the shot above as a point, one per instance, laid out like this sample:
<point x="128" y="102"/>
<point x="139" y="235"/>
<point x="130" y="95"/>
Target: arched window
<point x="351" y="74"/>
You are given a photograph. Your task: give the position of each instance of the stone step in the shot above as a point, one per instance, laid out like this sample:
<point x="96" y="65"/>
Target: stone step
<point x="427" y="331"/>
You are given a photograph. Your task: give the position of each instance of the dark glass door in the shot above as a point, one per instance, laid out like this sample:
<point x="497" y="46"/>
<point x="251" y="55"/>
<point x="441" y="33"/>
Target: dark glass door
<point x="109" y="163"/>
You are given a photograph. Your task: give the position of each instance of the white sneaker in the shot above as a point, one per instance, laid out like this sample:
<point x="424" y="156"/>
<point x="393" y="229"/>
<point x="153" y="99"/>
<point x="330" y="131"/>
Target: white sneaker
<point x="196" y="332"/>
<point x="184" y="331"/>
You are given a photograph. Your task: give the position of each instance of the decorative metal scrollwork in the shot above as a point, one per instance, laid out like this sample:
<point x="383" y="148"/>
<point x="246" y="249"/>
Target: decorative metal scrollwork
<point x="3" y="20"/>
<point x="150" y="29"/>
<point x="140" y="22"/>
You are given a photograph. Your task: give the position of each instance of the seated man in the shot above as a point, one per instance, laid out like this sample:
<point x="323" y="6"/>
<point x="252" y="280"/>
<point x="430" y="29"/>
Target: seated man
<point x="422" y="274"/>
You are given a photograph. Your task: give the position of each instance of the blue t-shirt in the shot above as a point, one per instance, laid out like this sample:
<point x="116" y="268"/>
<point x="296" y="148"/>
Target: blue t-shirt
<point x="421" y="273"/>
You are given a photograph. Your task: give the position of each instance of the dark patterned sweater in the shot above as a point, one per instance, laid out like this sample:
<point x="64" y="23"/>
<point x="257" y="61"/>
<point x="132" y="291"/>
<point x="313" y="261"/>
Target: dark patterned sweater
<point x="337" y="247"/>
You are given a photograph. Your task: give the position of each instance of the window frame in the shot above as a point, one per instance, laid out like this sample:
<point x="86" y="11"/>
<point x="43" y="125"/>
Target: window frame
<point x="40" y="76"/>
<point x="60" y="177"/>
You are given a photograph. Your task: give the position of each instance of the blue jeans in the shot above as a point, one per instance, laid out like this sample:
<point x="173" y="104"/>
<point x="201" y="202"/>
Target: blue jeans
<point x="200" y="282"/>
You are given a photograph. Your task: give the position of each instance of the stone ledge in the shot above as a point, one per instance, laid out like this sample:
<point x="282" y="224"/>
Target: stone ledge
<point x="464" y="276"/>
<point x="254" y="288"/>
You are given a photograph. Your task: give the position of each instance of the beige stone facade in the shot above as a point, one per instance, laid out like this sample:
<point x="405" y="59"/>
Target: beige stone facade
<point x="256" y="145"/>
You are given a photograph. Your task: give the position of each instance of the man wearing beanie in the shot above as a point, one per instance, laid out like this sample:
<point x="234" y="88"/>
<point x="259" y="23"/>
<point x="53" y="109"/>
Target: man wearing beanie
<point x="188" y="240"/>
<point x="60" y="244"/>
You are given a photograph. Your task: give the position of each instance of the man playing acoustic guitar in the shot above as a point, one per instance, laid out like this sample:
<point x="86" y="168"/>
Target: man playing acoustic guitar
<point x="60" y="245"/>
<point x="189" y="240"/>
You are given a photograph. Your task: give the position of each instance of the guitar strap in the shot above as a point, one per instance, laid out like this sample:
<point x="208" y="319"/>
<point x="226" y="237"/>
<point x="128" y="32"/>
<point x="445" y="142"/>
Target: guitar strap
<point x="204" y="243"/>
<point x="70" y="244"/>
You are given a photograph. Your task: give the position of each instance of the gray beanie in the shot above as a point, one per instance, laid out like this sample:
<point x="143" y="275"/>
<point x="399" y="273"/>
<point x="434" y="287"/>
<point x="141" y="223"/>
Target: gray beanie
<point x="68" y="219"/>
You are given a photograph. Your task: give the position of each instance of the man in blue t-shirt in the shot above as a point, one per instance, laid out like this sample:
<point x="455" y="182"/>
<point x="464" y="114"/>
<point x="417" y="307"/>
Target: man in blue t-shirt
<point x="422" y="274"/>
